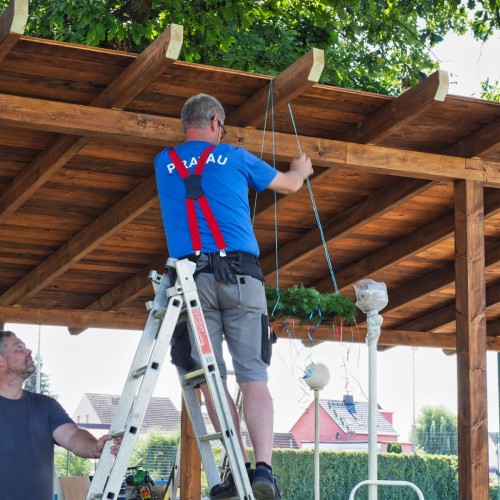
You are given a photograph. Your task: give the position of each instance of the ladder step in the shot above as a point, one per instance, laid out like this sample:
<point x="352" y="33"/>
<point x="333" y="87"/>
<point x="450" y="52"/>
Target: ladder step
<point x="139" y="372"/>
<point x="159" y="314"/>
<point x="194" y="374"/>
<point x="210" y="437"/>
<point x="117" y="434"/>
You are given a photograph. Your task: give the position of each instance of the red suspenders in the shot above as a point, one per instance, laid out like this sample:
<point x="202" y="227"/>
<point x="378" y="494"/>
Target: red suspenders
<point x="194" y="192"/>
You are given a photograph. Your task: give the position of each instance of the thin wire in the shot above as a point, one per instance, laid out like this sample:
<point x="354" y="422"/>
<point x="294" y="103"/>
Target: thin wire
<point x="275" y="206"/>
<point x="262" y="148"/>
<point x="315" y="209"/>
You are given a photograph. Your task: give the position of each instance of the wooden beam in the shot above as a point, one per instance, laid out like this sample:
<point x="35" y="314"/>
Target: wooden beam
<point x="12" y="24"/>
<point x="479" y="143"/>
<point x="433" y="282"/>
<point x="156" y="130"/>
<point x="145" y="69"/>
<point x="37" y="173"/>
<point x="288" y="85"/>
<point x="88" y="121"/>
<point x="136" y="286"/>
<point x="81" y="318"/>
<point x="415" y="242"/>
<point x="72" y="318"/>
<point x="190" y="463"/>
<point x="351" y="219"/>
<point x="447" y="314"/>
<point x="471" y="342"/>
<point x="388" y="337"/>
<point x="397" y="113"/>
<point x="140" y="199"/>
<point x="369" y="158"/>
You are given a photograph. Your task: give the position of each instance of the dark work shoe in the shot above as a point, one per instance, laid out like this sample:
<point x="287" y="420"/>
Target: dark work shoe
<point x="263" y="484"/>
<point x="277" y="495"/>
<point x="227" y="489"/>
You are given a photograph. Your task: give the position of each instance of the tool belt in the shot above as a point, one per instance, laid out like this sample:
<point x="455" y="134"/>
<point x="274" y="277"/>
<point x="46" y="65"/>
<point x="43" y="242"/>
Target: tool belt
<point x="226" y="268"/>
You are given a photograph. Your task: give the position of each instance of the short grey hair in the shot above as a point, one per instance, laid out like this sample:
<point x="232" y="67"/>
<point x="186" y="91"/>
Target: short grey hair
<point x="199" y="110"/>
<point x="4" y="333"/>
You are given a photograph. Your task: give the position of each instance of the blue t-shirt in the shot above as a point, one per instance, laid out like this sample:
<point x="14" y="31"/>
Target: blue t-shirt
<point x="27" y="446"/>
<point x="228" y="172"/>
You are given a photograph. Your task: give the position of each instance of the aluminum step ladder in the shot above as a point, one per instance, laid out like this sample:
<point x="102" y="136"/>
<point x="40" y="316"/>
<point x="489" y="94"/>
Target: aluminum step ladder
<point x="169" y="302"/>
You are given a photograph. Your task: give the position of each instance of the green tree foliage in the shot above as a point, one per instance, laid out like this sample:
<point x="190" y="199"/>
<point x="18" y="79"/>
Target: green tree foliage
<point x="373" y="45"/>
<point x="68" y="464"/>
<point x="436" y="431"/>
<point x="30" y="383"/>
<point x="490" y="90"/>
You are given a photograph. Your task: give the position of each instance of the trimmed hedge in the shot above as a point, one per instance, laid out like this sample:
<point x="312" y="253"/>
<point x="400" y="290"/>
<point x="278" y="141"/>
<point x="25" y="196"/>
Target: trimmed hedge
<point x="340" y="472"/>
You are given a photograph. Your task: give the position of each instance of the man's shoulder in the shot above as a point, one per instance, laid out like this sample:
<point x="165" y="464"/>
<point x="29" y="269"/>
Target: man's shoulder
<point x="40" y="399"/>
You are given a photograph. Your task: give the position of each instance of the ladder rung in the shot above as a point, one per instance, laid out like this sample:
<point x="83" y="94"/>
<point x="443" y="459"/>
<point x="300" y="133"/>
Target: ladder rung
<point x="196" y="373"/>
<point x="96" y="496"/>
<point x="159" y="314"/>
<point x="117" y="434"/>
<point x="139" y="372"/>
<point x="211" y="437"/>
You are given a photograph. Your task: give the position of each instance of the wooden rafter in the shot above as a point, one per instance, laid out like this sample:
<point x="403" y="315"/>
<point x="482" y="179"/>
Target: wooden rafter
<point x="139" y="200"/>
<point x="12" y="24"/>
<point x="479" y="143"/>
<point x="397" y="113"/>
<point x="445" y="315"/>
<point x="344" y="223"/>
<point x="434" y="281"/>
<point x="128" y="291"/>
<point x="138" y="75"/>
<point x="411" y="244"/>
<point x="288" y="85"/>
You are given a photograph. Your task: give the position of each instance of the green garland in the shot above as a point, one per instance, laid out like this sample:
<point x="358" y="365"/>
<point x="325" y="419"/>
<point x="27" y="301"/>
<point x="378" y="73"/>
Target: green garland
<point x="309" y="305"/>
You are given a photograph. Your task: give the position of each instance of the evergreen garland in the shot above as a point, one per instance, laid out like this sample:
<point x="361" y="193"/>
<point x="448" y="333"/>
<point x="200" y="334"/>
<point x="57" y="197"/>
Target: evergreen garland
<point x="309" y="305"/>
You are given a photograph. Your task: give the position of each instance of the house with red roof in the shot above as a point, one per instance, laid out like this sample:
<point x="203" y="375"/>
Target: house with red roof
<point x="343" y="425"/>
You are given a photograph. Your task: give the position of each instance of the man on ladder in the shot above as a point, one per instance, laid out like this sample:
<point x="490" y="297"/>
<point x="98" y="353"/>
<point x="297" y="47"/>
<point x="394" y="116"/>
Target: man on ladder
<point x="203" y="190"/>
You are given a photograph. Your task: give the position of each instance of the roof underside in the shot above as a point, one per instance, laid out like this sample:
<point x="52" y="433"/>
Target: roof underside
<point x="80" y="224"/>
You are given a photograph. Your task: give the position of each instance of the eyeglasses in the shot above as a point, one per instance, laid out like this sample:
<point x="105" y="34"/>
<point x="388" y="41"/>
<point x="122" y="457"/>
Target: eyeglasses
<point x="223" y="130"/>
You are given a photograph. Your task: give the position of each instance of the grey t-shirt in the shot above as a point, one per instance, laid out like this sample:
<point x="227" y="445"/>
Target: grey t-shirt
<point x="27" y="446"/>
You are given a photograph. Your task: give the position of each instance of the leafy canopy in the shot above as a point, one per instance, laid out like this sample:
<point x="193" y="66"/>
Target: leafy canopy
<point x="437" y="431"/>
<point x="372" y="45"/>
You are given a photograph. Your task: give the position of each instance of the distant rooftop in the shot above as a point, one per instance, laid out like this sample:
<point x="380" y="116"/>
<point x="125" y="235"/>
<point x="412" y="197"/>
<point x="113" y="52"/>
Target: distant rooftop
<point x="352" y="416"/>
<point x="161" y="413"/>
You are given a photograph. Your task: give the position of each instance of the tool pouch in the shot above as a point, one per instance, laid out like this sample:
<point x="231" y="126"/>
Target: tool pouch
<point x="226" y="269"/>
<point x="268" y="339"/>
<point x="180" y="352"/>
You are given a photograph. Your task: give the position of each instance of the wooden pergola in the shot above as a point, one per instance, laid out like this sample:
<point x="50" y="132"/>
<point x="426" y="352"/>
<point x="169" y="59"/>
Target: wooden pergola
<point x="406" y="189"/>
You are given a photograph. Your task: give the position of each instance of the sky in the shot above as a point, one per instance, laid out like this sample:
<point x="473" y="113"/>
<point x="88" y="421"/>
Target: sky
<point x="407" y="379"/>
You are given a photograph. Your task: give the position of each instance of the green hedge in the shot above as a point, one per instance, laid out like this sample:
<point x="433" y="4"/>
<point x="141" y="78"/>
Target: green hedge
<point x="340" y="472"/>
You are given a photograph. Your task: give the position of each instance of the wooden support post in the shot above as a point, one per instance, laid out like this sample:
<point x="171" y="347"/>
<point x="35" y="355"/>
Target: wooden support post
<point x="190" y="464"/>
<point x="471" y="341"/>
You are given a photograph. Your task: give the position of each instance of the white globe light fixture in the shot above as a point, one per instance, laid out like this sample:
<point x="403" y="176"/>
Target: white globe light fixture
<point x="317" y="377"/>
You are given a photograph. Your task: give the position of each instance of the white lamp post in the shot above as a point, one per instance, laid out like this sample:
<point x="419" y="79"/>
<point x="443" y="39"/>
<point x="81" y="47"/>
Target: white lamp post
<point x="317" y="377"/>
<point x="371" y="298"/>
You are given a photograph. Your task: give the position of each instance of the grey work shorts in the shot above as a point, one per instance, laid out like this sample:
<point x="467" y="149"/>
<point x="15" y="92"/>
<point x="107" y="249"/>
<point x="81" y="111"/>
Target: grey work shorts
<point x="237" y="313"/>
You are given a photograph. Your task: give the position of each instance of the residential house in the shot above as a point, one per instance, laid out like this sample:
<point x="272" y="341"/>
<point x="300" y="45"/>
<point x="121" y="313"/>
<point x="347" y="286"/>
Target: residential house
<point x="343" y="425"/>
<point x="95" y="413"/>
